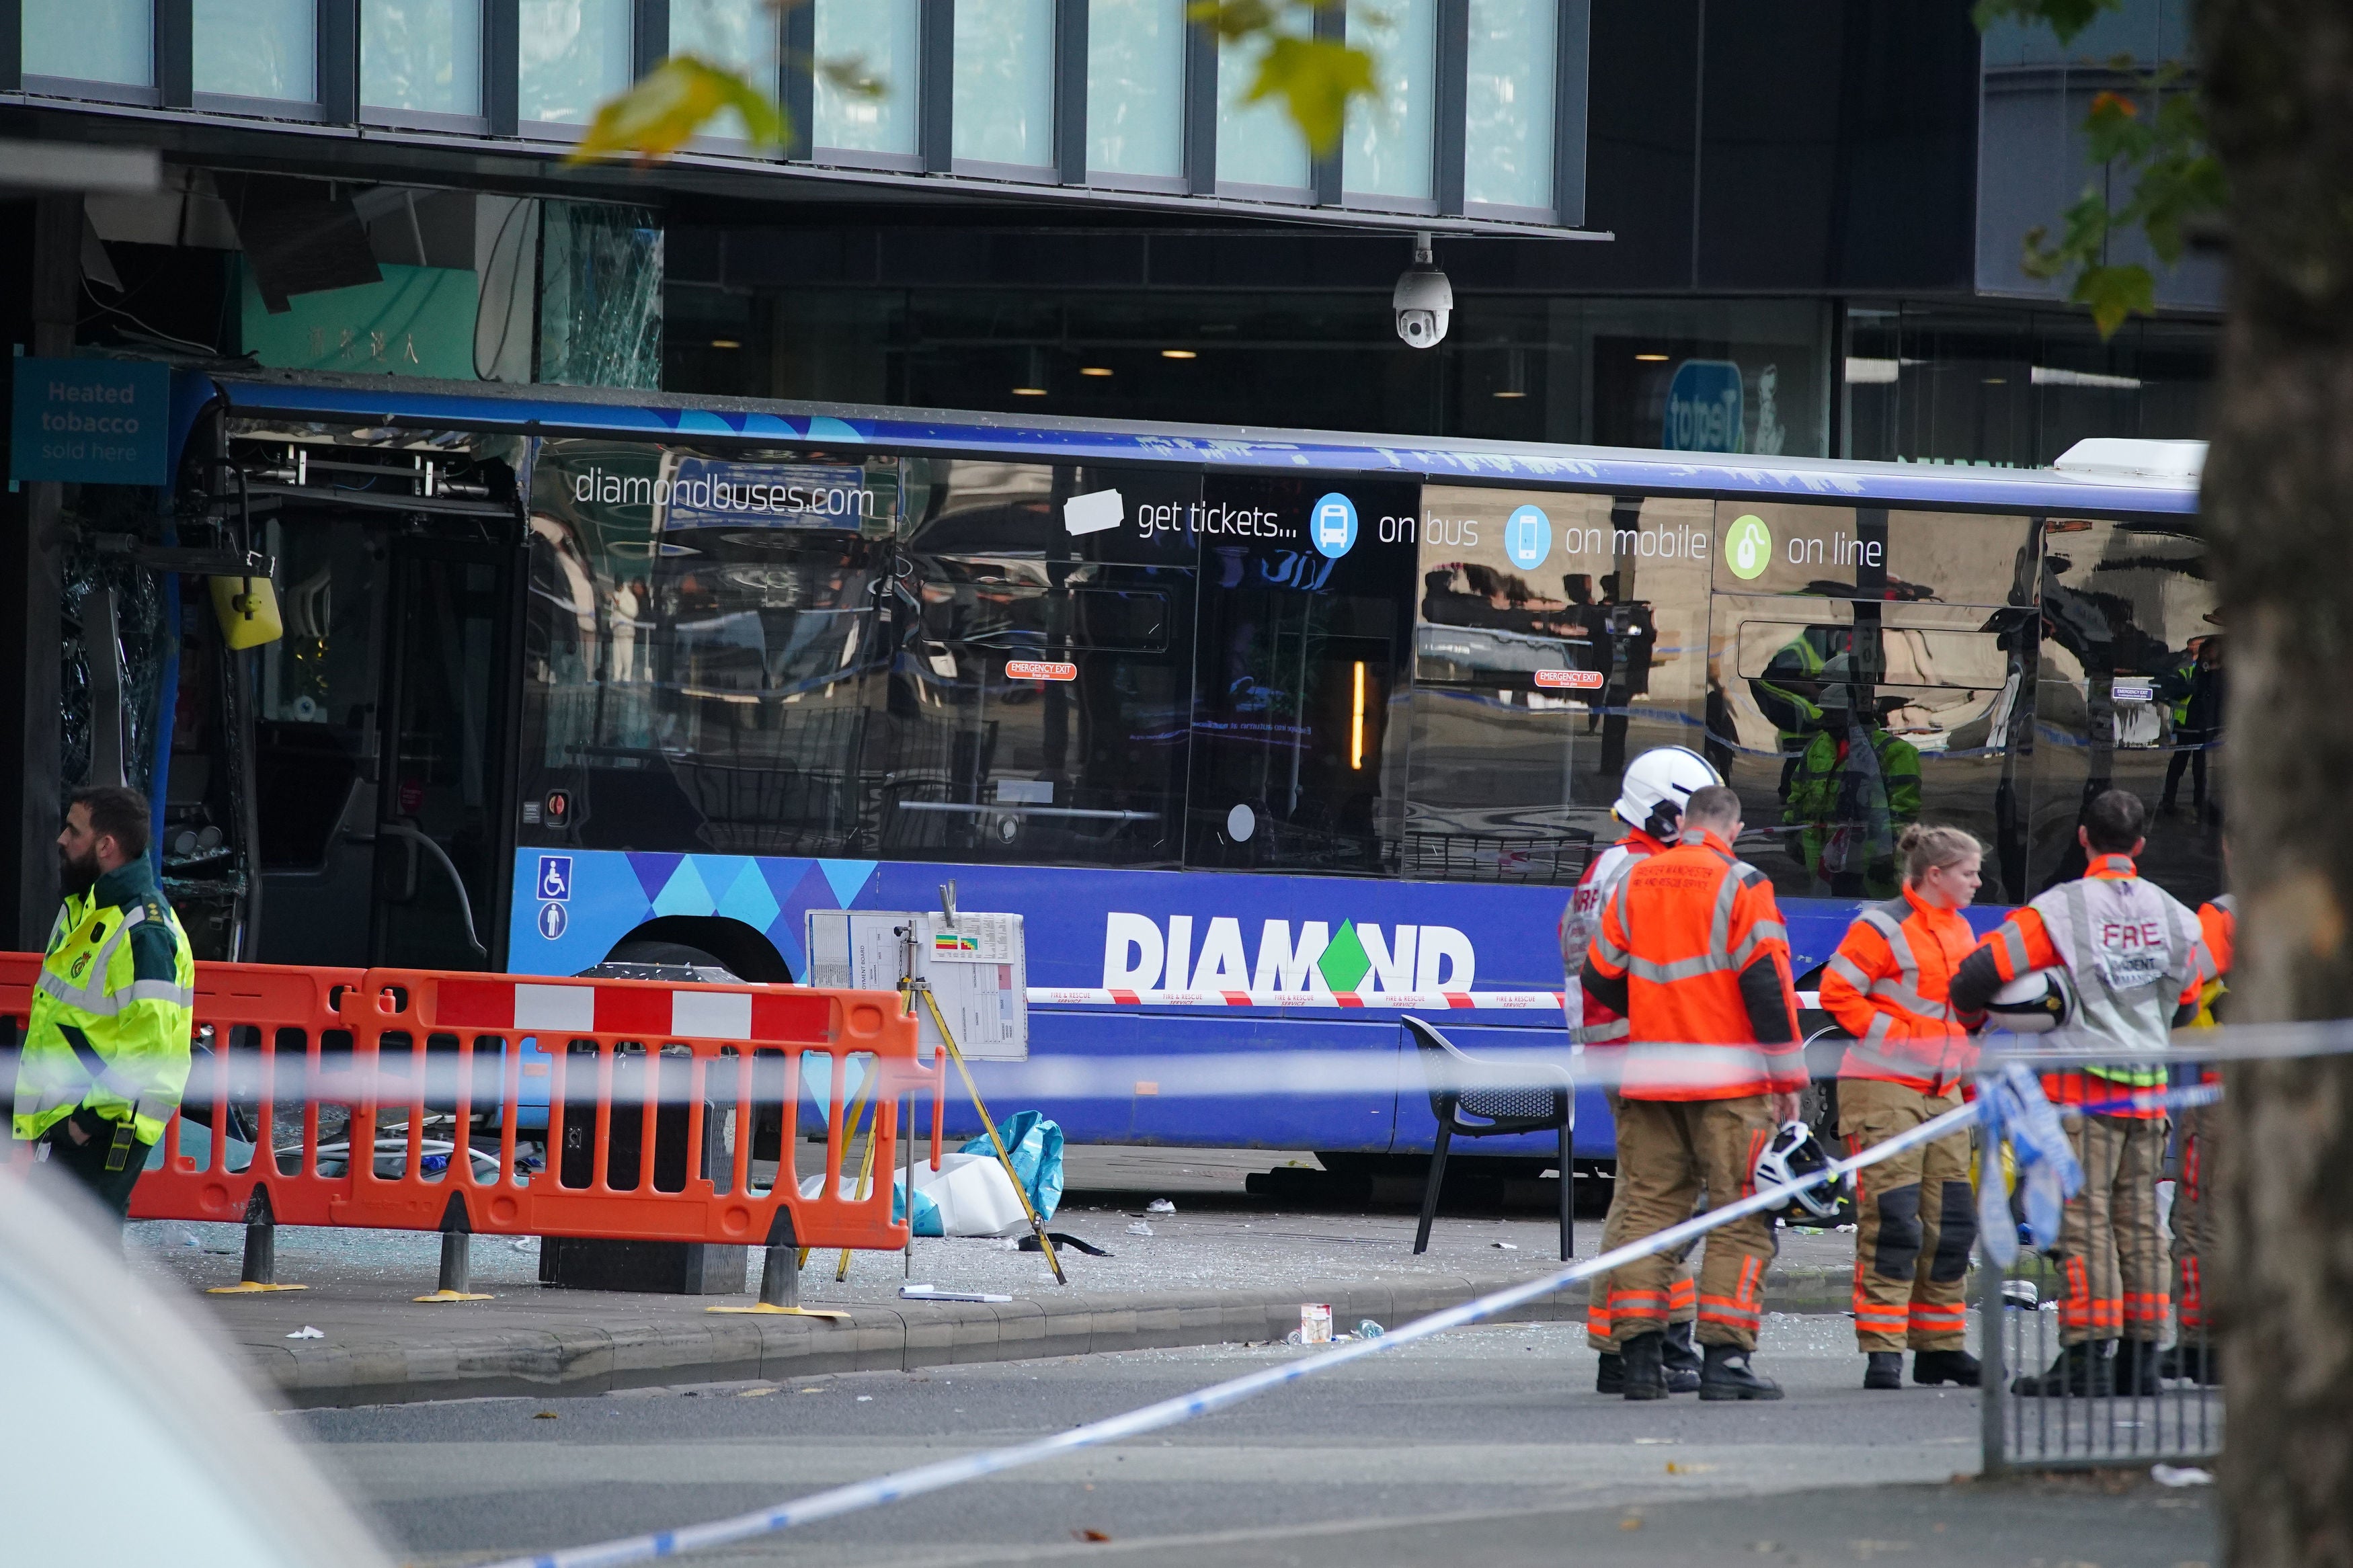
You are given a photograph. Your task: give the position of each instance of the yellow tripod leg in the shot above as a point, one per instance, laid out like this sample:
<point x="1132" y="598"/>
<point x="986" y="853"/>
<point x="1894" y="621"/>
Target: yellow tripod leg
<point x="1037" y="1226"/>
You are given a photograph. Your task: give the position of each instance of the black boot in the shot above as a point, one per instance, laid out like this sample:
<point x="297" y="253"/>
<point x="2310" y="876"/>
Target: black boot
<point x="1728" y="1375"/>
<point x="1639" y="1359"/>
<point x="2136" y="1371"/>
<point x="2196" y="1362"/>
<point x="1932" y="1367"/>
<point x="2080" y="1371"/>
<point x="1681" y="1359"/>
<point x="1959" y="1366"/>
<point x="1883" y="1369"/>
<point x="1610" y="1376"/>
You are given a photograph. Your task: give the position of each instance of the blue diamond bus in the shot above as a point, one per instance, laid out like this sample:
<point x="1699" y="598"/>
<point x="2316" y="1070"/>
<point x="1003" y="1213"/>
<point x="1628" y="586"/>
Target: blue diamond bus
<point x="583" y="679"/>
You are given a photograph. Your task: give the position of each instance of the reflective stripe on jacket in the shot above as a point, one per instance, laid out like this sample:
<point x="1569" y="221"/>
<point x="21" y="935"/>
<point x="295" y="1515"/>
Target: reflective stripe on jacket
<point x="1591" y="1023"/>
<point x="112" y="1011"/>
<point x="2133" y="953"/>
<point x="1678" y="935"/>
<point x="1889" y="984"/>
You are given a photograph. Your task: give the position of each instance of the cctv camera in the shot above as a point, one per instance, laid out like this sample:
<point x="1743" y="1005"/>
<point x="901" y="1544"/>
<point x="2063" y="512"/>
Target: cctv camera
<point x="1423" y="300"/>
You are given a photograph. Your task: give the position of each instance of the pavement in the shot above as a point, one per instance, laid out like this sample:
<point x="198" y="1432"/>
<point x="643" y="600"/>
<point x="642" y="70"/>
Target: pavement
<point x="1484" y="1445"/>
<point x="1225" y="1266"/>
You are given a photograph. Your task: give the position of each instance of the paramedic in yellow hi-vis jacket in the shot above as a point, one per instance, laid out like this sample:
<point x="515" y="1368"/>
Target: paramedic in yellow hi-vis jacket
<point x="105" y="1047"/>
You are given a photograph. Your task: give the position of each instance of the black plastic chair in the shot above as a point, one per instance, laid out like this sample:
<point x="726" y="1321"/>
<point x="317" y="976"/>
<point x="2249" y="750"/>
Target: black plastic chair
<point x="1502" y="1098"/>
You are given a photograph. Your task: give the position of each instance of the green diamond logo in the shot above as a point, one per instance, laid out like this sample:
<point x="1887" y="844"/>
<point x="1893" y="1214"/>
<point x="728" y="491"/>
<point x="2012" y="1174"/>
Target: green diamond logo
<point x="1344" y="964"/>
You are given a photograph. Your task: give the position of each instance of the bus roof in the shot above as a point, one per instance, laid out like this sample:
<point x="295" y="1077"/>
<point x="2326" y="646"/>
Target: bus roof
<point x="626" y="414"/>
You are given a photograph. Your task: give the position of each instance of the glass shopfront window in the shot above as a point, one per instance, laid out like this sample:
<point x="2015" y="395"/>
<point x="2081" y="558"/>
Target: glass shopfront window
<point x="1556" y="636"/>
<point x="738" y="33"/>
<point x="1136" y="87"/>
<point x="421" y="57"/>
<point x="1004" y="111"/>
<point x="1257" y="142"/>
<point x="1507" y="145"/>
<point x="1386" y="150"/>
<point x="258" y="49"/>
<point x="574" y="54"/>
<point x="883" y="37"/>
<point x="90" y="40"/>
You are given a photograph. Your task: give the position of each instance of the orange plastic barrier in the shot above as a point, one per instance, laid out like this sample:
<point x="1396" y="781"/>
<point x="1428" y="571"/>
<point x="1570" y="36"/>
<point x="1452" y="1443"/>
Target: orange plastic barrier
<point x="654" y="1096"/>
<point x="691" y="1064"/>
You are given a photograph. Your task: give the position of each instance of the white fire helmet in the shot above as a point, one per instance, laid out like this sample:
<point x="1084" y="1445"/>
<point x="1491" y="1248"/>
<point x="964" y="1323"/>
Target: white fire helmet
<point x="1657" y="785"/>
<point x="2033" y="1003"/>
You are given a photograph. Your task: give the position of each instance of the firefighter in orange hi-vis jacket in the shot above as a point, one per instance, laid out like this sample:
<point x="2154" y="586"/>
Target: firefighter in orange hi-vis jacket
<point x="1692" y="951"/>
<point x="2137" y="964"/>
<point x="1651" y="805"/>
<point x="1888" y="985"/>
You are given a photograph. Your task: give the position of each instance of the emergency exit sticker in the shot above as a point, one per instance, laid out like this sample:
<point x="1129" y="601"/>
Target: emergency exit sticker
<point x="1573" y="679"/>
<point x="1039" y="670"/>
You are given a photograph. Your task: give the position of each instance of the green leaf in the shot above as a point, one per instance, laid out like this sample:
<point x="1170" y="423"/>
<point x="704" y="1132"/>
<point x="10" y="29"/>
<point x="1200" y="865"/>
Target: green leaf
<point x="2113" y="293"/>
<point x="2065" y="19"/>
<point x="671" y="103"/>
<point x="1316" y="78"/>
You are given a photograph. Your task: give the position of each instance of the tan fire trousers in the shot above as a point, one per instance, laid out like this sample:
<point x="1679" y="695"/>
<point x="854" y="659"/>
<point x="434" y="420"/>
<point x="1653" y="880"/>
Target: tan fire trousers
<point x="1682" y="1295"/>
<point x="1916" y="1221"/>
<point x="2193" y="1215"/>
<point x="2110" y="1250"/>
<point x="1667" y="1150"/>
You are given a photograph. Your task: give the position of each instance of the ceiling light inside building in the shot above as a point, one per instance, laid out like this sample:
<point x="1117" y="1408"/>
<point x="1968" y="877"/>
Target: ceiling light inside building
<point x="725" y="344"/>
<point x="1651" y="359"/>
<point x="1178" y="353"/>
<point x="1094" y="370"/>
<point x="1515" y="374"/>
<point x="1033" y="375"/>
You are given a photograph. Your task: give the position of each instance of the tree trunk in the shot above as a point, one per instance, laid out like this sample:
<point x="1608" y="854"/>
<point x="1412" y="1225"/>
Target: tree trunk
<point x="2279" y="507"/>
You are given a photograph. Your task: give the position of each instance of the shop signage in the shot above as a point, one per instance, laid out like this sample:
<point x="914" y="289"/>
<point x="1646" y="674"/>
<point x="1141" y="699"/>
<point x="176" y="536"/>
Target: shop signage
<point x="91" y="422"/>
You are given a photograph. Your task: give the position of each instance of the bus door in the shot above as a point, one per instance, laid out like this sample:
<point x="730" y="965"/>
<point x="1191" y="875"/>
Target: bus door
<point x="444" y="810"/>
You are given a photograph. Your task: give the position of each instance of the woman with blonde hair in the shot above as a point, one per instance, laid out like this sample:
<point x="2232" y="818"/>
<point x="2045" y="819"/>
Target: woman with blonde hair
<point x="1889" y="985"/>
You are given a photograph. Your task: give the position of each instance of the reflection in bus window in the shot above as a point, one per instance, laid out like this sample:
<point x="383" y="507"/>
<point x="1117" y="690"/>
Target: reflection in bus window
<point x="1295" y="764"/>
<point x="2131" y="696"/>
<point x="1840" y="730"/>
<point x="1558" y="636"/>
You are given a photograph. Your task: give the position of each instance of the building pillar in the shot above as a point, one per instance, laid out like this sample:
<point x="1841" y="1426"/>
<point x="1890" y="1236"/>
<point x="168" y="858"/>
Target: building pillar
<point x="32" y="591"/>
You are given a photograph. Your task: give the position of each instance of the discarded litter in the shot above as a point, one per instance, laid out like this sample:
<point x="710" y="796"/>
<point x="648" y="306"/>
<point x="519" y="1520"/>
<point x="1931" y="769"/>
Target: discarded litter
<point x="1368" y="1330"/>
<point x="1315" y="1323"/>
<point x="1060" y="1239"/>
<point x="2020" y="1293"/>
<point x="2180" y="1475"/>
<point x="307" y="1332"/>
<point x="1160" y="1205"/>
<point x="1506" y="1245"/>
<point x="932" y="1293"/>
<point x="865" y="1399"/>
<point x="1139" y="1228"/>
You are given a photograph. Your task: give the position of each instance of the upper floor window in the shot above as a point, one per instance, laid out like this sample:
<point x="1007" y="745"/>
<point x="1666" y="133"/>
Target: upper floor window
<point x="575" y="54"/>
<point x="883" y="39"/>
<point x="111" y="41"/>
<point x="258" y="49"/>
<point x="1004" y="107"/>
<point x="422" y="56"/>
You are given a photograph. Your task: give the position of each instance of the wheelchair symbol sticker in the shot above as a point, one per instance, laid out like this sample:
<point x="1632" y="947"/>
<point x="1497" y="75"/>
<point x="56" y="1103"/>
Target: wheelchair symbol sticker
<point x="1333" y="525"/>
<point x="552" y="920"/>
<point x="555" y="876"/>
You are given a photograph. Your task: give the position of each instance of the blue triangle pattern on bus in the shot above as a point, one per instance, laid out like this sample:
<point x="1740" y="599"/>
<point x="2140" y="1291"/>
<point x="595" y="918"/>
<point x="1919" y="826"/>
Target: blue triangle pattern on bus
<point x="748" y="899"/>
<point x="847" y="876"/>
<point x="823" y="427"/>
<point x="685" y="893"/>
<point x="654" y="870"/>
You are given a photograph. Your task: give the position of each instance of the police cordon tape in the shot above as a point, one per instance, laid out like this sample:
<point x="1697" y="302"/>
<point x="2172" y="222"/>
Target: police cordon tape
<point x="901" y="1485"/>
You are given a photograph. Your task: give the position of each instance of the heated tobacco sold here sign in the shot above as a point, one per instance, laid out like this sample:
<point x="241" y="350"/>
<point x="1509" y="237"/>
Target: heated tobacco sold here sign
<point x="91" y="422"/>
